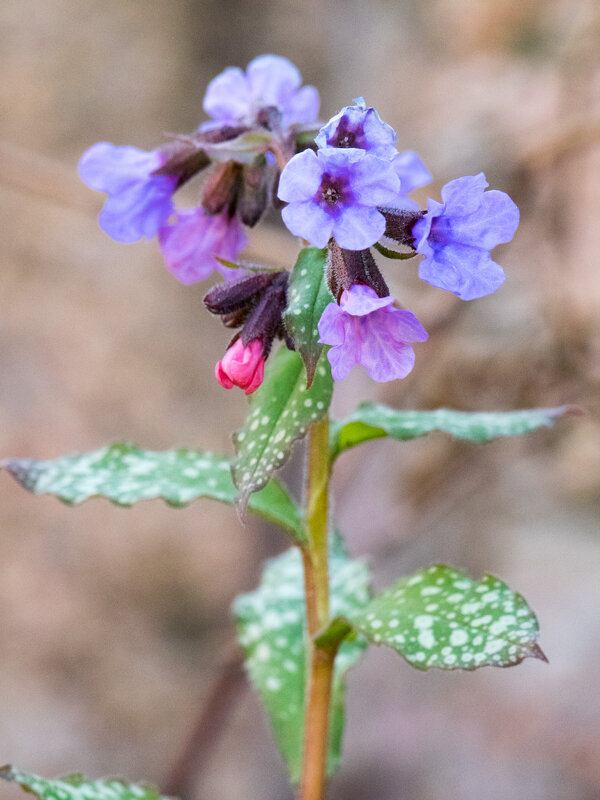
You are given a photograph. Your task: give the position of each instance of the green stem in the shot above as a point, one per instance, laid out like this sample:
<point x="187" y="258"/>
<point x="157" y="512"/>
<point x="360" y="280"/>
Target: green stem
<point x="316" y="580"/>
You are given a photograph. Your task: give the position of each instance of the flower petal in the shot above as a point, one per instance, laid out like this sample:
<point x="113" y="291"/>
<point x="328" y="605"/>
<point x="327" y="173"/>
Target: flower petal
<point x="411" y="171"/>
<point x="301" y="177"/>
<point x="310" y="221"/>
<point x="357" y="227"/>
<point x="227" y="97"/>
<point x="272" y="79"/>
<point x="467" y="272"/>
<point x="360" y="300"/>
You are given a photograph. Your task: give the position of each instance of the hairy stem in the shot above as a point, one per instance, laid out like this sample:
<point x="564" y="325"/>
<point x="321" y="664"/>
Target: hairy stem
<point x="316" y="581"/>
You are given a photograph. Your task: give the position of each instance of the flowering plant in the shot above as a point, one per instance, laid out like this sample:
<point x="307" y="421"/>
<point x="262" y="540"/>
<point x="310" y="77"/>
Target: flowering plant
<point x="344" y="188"/>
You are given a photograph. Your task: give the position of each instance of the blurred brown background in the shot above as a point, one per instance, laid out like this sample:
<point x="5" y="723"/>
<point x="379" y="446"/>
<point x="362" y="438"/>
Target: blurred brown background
<point x="114" y="623"/>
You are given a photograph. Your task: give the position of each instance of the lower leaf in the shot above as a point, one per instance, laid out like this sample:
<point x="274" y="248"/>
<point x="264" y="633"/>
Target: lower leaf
<point x="272" y="630"/>
<point x="441" y="618"/>
<point x="76" y="787"/>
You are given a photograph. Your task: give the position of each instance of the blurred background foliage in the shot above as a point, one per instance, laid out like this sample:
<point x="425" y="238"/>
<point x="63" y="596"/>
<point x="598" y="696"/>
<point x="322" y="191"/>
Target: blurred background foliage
<point x="115" y="624"/>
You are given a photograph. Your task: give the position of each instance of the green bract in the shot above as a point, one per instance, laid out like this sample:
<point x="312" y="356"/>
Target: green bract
<point x="307" y="297"/>
<point x="280" y="412"/>
<point x="372" y="421"/>
<point x="76" y="787"/>
<point x="125" y="474"/>
<point x="272" y="628"/>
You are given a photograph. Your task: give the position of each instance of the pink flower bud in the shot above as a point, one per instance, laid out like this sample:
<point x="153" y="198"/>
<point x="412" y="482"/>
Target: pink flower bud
<point x="242" y="366"/>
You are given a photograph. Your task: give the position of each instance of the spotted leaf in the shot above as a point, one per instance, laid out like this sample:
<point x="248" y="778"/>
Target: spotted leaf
<point x="125" y="474"/>
<point x="441" y="618"/>
<point x="307" y="297"/>
<point x="272" y="630"/>
<point x="280" y="412"/>
<point x="76" y="787"/>
<point x="373" y="421"/>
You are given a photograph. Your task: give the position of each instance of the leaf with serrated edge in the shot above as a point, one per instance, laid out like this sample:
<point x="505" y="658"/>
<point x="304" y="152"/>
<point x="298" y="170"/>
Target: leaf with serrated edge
<point x="441" y="618"/>
<point x="281" y="411"/>
<point x="373" y="421"/>
<point x="76" y="787"/>
<point x="307" y="297"/>
<point x="271" y="624"/>
<point x="126" y="474"/>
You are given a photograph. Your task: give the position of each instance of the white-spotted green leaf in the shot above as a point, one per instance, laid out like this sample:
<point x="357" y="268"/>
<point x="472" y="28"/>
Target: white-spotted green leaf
<point x="441" y="618"/>
<point x="272" y="630"/>
<point x="373" y="421"/>
<point x="76" y="787"/>
<point x="281" y="411"/>
<point x="307" y="297"/>
<point x="126" y="474"/>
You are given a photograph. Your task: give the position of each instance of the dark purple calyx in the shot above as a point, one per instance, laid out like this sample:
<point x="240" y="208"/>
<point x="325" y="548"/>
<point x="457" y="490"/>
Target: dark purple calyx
<point x="222" y="188"/>
<point x="182" y="161"/>
<point x="347" y="267"/>
<point x="399" y="225"/>
<point x="255" y="304"/>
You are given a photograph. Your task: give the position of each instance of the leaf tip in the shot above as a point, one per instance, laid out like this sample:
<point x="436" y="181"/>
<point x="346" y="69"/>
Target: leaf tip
<point x="535" y="651"/>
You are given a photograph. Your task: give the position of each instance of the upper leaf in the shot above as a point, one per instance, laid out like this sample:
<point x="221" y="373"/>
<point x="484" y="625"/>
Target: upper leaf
<point x="372" y="421"/>
<point x="307" y="297"/>
<point x="441" y="618"/>
<point x="125" y="474"/>
<point x="280" y="412"/>
<point x="271" y="623"/>
<point x="76" y="787"/>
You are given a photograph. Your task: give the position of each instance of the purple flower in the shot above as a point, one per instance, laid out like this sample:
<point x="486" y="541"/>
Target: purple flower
<point x="192" y="242"/>
<point x="336" y="191"/>
<point x="456" y="237"/>
<point x="138" y="203"/>
<point x="234" y="98"/>
<point x="412" y="173"/>
<point x="359" y="126"/>
<point x="366" y="329"/>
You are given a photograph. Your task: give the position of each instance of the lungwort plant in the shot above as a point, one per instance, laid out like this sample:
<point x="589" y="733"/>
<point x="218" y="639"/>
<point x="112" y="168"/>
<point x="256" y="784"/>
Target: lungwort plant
<point x="344" y="189"/>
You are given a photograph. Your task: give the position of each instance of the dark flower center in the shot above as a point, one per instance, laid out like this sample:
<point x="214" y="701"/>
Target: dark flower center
<point x="332" y="190"/>
<point x="347" y="135"/>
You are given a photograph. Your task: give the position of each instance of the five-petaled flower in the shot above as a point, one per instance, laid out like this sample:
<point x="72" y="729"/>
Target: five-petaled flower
<point x="366" y="329"/>
<point x="138" y="202"/>
<point x="191" y="243"/>
<point x="270" y="82"/>
<point x="456" y="237"/>
<point x="242" y="366"/>
<point x="335" y="192"/>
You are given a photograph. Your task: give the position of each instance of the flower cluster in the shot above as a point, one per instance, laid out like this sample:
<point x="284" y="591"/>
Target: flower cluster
<point x="344" y="187"/>
<point x="253" y="114"/>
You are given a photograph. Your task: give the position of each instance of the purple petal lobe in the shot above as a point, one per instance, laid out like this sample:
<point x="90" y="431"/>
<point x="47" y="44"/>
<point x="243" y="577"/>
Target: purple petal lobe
<point x="227" y="97"/>
<point x="358" y="227"/>
<point x="310" y="221"/>
<point x="301" y="177"/>
<point x="411" y="171"/>
<point x="192" y="242"/>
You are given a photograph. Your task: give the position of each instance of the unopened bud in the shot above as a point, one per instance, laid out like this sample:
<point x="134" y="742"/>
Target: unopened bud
<point x="221" y="188"/>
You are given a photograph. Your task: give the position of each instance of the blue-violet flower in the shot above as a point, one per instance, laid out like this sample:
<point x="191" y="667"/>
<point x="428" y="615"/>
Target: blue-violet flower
<point x="366" y="329"/>
<point x="234" y="98"/>
<point x="359" y="126"/>
<point x="138" y="202"/>
<point x="191" y="243"/>
<point x="336" y="192"/>
<point x="456" y="237"/>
